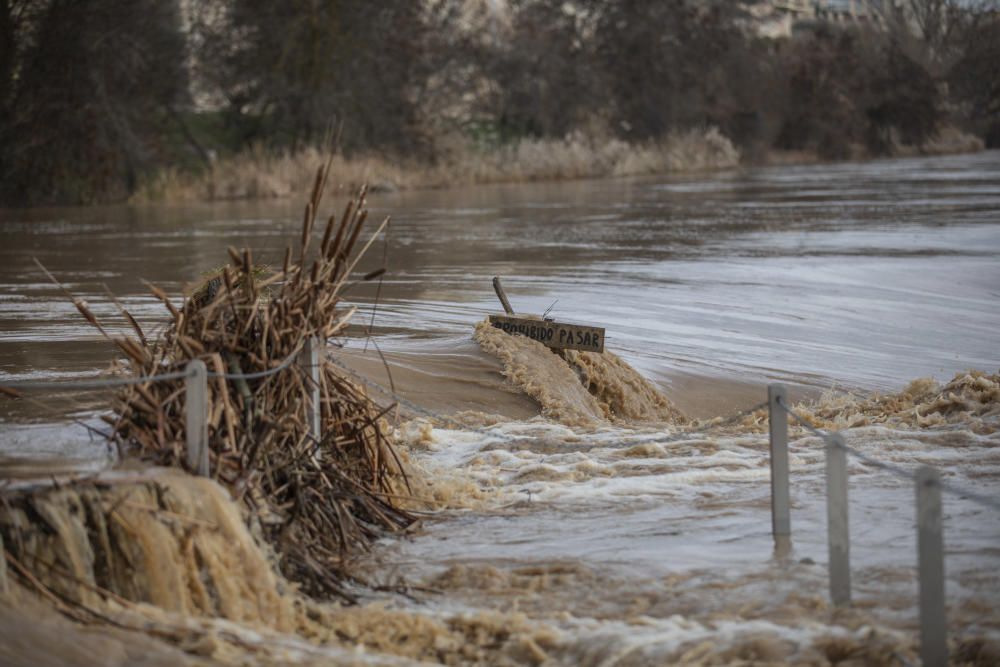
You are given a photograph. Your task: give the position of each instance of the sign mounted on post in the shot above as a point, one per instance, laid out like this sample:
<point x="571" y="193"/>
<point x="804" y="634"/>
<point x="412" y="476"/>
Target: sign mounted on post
<point x="553" y="334"/>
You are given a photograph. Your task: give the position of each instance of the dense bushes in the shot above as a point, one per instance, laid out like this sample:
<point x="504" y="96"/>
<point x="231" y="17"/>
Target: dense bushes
<point x="648" y="67"/>
<point x="286" y="70"/>
<point x="975" y="80"/>
<point x="87" y="90"/>
<point x="95" y="94"/>
<point x="849" y="94"/>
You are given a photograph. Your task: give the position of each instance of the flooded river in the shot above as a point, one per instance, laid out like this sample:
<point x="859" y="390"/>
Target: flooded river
<point x="617" y="541"/>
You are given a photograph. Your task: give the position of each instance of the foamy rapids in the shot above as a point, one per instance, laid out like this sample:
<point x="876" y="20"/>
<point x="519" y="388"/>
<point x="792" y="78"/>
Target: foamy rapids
<point x="607" y="530"/>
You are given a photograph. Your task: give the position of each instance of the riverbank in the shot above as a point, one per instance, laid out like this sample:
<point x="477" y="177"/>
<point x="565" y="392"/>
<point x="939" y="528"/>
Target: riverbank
<point x="261" y="174"/>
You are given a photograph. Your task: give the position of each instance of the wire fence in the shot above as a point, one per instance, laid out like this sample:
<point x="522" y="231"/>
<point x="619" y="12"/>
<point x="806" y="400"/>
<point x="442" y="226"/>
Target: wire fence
<point x="928" y="486"/>
<point x="897" y="471"/>
<point x="108" y="383"/>
<point x="678" y="436"/>
<point x="704" y="429"/>
<point x="927" y="482"/>
<point x="104" y="383"/>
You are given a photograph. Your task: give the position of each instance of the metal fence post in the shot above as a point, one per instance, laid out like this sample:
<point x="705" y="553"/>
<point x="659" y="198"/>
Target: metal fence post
<point x="309" y="361"/>
<point x="930" y="565"/>
<point x="4" y="586"/>
<point x="196" y="414"/>
<point x="838" y="537"/>
<point x="781" y="524"/>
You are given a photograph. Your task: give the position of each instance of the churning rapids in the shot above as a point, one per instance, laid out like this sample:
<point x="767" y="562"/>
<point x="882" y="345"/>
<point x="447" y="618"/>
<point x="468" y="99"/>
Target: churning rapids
<point x="592" y="510"/>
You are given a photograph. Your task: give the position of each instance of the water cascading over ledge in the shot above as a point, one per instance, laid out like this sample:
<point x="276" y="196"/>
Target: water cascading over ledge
<point x="156" y="536"/>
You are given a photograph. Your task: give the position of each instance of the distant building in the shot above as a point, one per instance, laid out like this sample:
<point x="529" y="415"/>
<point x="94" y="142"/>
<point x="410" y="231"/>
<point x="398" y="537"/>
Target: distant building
<point x="849" y="11"/>
<point x="775" y="19"/>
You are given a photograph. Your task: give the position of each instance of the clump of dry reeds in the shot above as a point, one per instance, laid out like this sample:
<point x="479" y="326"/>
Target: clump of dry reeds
<point x="315" y="501"/>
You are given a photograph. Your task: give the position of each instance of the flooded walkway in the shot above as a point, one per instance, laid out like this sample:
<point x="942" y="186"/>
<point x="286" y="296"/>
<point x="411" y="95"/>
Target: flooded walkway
<point x="625" y="542"/>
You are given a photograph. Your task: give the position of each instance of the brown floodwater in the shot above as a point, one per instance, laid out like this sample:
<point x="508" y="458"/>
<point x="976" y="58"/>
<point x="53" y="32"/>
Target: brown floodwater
<point x="629" y="541"/>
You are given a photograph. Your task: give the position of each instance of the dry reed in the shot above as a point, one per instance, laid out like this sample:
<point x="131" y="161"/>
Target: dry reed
<point x="259" y="174"/>
<point x="315" y="502"/>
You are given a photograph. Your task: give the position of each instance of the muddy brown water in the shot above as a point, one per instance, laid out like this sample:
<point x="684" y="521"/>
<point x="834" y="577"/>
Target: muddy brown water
<point x="632" y="543"/>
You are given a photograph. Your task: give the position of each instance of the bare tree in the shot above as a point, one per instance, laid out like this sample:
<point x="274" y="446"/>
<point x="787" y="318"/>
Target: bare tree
<point x="974" y="80"/>
<point x="668" y="62"/>
<point x="932" y="32"/>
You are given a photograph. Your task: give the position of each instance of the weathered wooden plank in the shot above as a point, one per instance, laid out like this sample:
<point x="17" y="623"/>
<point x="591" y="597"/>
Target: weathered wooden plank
<point x="553" y="334"/>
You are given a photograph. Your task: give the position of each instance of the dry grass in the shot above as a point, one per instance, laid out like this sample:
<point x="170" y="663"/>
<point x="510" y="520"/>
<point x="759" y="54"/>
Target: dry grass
<point x="950" y="140"/>
<point x="581" y="157"/>
<point x="262" y="174"/>
<point x="316" y="501"/>
<point x="259" y="174"/>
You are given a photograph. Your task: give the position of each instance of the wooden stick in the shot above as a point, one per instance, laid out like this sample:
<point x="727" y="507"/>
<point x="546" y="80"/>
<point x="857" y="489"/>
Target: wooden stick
<point x="502" y="295"/>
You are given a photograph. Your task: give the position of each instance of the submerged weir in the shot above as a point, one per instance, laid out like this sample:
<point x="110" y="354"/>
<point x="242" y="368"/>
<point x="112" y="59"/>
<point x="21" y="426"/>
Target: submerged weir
<point x="577" y="388"/>
<point x="158" y="536"/>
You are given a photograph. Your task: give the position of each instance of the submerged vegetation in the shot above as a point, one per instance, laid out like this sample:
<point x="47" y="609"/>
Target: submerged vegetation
<point x="219" y="99"/>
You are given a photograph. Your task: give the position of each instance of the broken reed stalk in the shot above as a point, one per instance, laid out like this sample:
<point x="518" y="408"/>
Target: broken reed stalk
<point x="316" y="502"/>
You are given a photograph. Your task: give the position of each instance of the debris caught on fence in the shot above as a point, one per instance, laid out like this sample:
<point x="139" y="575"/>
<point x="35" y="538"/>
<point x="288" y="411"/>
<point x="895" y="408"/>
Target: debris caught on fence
<point x="315" y="501"/>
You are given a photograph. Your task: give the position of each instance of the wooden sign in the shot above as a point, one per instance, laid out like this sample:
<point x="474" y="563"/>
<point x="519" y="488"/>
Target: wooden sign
<point x="553" y="334"/>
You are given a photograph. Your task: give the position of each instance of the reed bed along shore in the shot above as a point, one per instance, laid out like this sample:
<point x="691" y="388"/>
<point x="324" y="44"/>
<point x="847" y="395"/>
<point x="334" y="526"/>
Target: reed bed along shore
<point x="263" y="174"/>
<point x="259" y="173"/>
